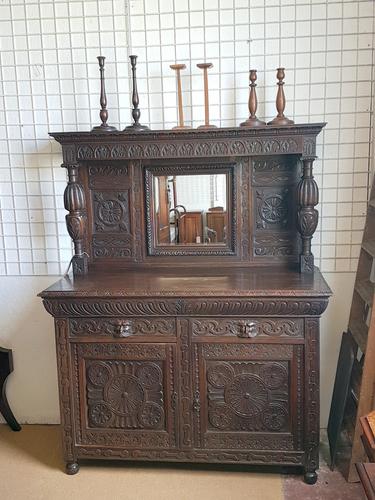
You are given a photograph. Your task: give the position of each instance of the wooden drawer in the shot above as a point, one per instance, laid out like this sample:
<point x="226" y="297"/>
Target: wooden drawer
<point x="247" y="327"/>
<point x="122" y="327"/>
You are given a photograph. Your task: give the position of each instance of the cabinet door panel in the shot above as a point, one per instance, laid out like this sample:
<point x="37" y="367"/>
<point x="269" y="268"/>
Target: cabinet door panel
<point x="248" y="396"/>
<point x="125" y="394"/>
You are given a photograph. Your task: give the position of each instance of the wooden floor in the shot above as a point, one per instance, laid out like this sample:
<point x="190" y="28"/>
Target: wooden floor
<point x="31" y="469"/>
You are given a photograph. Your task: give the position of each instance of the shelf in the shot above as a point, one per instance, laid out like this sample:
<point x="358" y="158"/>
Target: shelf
<point x="359" y="331"/>
<point x="366" y="290"/>
<point x="372" y="203"/>
<point x="369" y="247"/>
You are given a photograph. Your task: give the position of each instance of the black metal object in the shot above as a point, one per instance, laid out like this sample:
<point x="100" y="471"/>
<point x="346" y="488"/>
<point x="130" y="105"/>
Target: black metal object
<point x="6" y="367"/>
<point x="341" y="388"/>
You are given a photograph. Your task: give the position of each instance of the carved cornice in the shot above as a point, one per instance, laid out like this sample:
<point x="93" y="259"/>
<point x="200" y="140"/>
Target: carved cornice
<point x="225" y="142"/>
<point x="181" y="307"/>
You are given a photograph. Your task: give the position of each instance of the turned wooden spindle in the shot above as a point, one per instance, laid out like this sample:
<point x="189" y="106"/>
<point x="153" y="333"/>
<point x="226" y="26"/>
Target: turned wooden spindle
<point x="280" y="119"/>
<point x="103" y="101"/>
<point x="253" y="121"/>
<point x="205" y="67"/>
<point x="136" y="113"/>
<point x="178" y="68"/>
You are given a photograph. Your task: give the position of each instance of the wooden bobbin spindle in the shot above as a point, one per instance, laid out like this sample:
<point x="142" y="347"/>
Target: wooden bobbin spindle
<point x="136" y="113"/>
<point x="253" y="121"/>
<point x="205" y="67"/>
<point x="103" y="127"/>
<point x="178" y="68"/>
<point x="280" y="119"/>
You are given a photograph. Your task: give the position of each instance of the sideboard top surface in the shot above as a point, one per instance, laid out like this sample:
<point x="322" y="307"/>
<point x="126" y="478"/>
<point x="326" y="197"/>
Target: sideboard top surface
<point x="234" y="282"/>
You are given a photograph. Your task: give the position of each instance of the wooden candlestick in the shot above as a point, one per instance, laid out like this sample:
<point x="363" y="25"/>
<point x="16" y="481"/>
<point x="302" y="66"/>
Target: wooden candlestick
<point x="280" y="119"/>
<point x="205" y="67"/>
<point x="253" y="121"/>
<point x="178" y="68"/>
<point x="136" y="113"/>
<point x="103" y="101"/>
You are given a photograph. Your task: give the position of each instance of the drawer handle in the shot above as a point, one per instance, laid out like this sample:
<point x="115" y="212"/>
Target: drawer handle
<point x="248" y="329"/>
<point x="123" y="328"/>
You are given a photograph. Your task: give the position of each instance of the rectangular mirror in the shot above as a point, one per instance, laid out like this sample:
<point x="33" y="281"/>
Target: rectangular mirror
<point x="190" y="208"/>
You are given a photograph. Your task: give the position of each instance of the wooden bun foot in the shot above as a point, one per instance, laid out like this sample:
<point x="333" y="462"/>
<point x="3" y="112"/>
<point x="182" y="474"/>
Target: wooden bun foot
<point x="72" y="468"/>
<point x="310" y="477"/>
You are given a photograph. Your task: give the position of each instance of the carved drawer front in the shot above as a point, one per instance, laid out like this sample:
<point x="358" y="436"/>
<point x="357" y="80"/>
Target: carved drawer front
<point x="248" y="327"/>
<point x="248" y="396"/>
<point x="125" y="395"/>
<point x="122" y="327"/>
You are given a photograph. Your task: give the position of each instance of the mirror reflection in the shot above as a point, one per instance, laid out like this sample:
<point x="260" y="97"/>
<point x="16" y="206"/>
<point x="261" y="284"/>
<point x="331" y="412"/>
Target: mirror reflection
<point x="191" y="209"/>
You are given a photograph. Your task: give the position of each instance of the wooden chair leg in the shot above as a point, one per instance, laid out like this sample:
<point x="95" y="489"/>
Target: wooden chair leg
<point x="6" y="367"/>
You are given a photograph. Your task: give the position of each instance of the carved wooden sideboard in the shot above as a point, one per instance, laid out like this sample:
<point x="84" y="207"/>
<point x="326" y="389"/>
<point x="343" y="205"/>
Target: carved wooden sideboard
<point x="197" y="352"/>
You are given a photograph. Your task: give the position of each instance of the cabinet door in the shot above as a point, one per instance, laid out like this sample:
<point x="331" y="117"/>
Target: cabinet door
<point x="125" y="394"/>
<point x="248" y="396"/>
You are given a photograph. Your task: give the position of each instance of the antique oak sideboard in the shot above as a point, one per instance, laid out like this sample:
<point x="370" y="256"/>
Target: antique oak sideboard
<point x="206" y="351"/>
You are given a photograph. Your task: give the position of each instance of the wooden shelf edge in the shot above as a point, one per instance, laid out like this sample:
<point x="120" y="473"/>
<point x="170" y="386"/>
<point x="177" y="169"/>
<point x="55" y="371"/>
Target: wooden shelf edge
<point x="359" y="331"/>
<point x="369" y="247"/>
<point x="366" y="290"/>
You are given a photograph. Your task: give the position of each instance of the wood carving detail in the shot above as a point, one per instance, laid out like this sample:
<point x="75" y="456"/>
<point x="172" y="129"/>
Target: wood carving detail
<point x="104" y="327"/>
<point x="125" y="394"/>
<point x="183" y="149"/>
<point x="124" y="351"/>
<point x="111" y="211"/>
<point x="185" y="386"/>
<point x="277" y="245"/>
<point x="272" y="209"/>
<point x="312" y="395"/>
<point x="248" y="396"/>
<point x="112" y="246"/>
<point x="173" y="307"/>
<point x="215" y="456"/>
<point x="107" y="176"/>
<point x="263" y="327"/>
<point x="66" y="403"/>
<point x="245" y="351"/>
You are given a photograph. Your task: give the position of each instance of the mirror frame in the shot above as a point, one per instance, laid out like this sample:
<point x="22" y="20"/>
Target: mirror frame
<point x="197" y="249"/>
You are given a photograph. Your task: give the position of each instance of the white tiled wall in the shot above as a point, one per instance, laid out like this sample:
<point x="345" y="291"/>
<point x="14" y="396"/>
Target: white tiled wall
<point x="49" y="81"/>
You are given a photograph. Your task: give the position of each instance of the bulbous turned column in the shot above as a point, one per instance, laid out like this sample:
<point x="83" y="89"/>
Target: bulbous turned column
<point x="76" y="219"/>
<point x="307" y="215"/>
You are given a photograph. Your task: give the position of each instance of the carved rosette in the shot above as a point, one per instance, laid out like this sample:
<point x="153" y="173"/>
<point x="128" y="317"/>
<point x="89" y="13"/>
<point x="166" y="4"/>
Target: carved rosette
<point x="307" y="216"/>
<point x="76" y="219"/>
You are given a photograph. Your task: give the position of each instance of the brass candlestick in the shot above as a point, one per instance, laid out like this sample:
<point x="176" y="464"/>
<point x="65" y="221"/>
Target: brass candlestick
<point x="280" y="119"/>
<point x="253" y="121"/>
<point x="136" y="113"/>
<point x="205" y="67"/>
<point x="103" y="101"/>
<point x="178" y="68"/>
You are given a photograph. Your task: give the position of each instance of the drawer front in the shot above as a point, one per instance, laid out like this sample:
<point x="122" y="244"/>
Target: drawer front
<point x="248" y="396"/>
<point x="125" y="394"/>
<point x="247" y="327"/>
<point x="122" y="327"/>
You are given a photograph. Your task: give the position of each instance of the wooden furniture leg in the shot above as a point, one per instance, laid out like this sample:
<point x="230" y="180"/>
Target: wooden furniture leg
<point x="6" y="367"/>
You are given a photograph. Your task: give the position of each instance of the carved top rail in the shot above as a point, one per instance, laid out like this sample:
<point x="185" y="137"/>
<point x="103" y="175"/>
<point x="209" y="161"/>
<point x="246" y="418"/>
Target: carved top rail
<point x="294" y="139"/>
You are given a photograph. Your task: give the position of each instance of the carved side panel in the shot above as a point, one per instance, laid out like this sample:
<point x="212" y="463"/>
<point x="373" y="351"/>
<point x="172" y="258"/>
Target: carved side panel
<point x="66" y="402"/>
<point x="124" y="394"/>
<point x="312" y="413"/>
<point x="274" y="180"/>
<point x="108" y="176"/>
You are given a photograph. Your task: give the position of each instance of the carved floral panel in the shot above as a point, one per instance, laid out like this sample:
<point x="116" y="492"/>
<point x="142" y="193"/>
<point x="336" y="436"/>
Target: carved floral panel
<point x="111" y="212"/>
<point x="248" y="396"/>
<point x="125" y="394"/>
